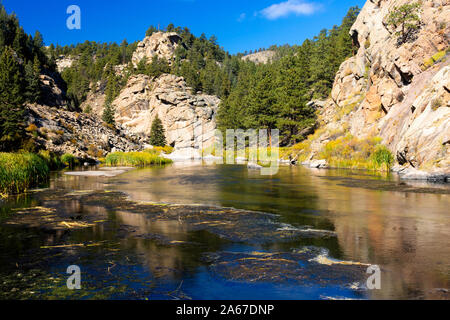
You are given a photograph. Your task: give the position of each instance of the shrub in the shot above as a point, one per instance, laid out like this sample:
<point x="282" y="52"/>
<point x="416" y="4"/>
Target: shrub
<point x="69" y="160"/>
<point x="53" y="160"/>
<point x="434" y="59"/>
<point x="354" y="153"/>
<point x="29" y="145"/>
<point x="165" y="149"/>
<point x="31" y="128"/>
<point x="135" y="159"/>
<point x="21" y="171"/>
<point x="94" y="152"/>
<point x="436" y="104"/>
<point x="88" y="109"/>
<point x="382" y="157"/>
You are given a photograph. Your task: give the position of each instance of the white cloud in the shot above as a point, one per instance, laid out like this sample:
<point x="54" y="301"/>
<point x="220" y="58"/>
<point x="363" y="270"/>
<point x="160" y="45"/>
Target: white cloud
<point x="242" y="17"/>
<point x="283" y="9"/>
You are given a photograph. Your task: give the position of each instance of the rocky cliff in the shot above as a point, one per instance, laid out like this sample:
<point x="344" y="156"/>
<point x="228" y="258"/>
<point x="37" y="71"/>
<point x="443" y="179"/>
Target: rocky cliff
<point x="189" y="119"/>
<point x="159" y="44"/>
<point x="53" y="126"/>
<point x="399" y="92"/>
<point x="84" y="136"/>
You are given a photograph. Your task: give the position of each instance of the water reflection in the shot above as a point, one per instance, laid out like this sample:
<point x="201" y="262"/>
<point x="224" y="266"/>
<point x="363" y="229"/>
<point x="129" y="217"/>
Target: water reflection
<point x="404" y="228"/>
<point x="405" y="232"/>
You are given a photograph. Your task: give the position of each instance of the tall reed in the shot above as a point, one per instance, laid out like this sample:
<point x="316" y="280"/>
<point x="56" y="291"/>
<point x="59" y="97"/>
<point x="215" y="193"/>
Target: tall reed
<point x="21" y="171"/>
<point x="135" y="159"/>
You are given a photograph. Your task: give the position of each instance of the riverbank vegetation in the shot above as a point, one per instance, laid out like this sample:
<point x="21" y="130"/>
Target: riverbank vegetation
<point x="354" y="153"/>
<point x="342" y="151"/>
<point x="136" y="159"/>
<point x="21" y="171"/>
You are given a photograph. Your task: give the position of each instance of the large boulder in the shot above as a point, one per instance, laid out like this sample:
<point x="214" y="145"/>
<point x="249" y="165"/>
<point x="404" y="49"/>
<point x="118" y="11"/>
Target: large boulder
<point x="159" y="44"/>
<point x="188" y="119"/>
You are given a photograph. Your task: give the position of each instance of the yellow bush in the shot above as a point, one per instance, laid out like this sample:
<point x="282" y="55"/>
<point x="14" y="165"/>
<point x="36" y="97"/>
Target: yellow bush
<point x="435" y="58"/>
<point x="165" y="149"/>
<point x="31" y="128"/>
<point x="354" y="153"/>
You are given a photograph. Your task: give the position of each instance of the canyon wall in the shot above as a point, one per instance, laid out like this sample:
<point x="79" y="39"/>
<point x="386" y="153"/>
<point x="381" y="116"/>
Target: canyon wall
<point x="397" y="91"/>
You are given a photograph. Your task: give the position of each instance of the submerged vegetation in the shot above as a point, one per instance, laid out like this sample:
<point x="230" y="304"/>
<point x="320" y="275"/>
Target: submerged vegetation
<point x="136" y="159"/>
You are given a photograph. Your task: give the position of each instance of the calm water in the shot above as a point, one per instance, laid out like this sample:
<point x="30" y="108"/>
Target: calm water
<point x="184" y="253"/>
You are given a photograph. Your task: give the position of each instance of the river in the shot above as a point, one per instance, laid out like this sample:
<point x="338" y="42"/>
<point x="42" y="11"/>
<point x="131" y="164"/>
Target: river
<point x="199" y="231"/>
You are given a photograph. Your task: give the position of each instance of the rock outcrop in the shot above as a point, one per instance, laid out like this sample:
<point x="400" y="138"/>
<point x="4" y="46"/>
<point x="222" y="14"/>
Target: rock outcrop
<point x="189" y="120"/>
<point x="64" y="62"/>
<point x="263" y="57"/>
<point x="398" y="92"/>
<point x="95" y="100"/>
<point x="53" y="126"/>
<point x="82" y="135"/>
<point x="159" y="44"/>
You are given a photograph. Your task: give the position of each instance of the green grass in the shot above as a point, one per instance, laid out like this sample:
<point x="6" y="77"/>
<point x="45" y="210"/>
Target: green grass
<point x="21" y="171"/>
<point x="135" y="159"/>
<point x="382" y="157"/>
<point x="53" y="160"/>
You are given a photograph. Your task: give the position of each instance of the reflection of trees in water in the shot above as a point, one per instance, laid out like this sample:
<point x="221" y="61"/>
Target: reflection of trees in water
<point x="169" y="249"/>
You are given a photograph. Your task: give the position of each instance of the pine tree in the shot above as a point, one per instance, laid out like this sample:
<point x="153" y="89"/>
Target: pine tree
<point x="157" y="67"/>
<point x="11" y="102"/>
<point x="112" y="88"/>
<point x="109" y="114"/>
<point x="32" y="72"/>
<point x="157" y="135"/>
<point x="406" y="18"/>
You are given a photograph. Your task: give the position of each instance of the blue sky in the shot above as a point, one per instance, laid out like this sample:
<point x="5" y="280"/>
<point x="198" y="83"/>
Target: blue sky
<point x="239" y="25"/>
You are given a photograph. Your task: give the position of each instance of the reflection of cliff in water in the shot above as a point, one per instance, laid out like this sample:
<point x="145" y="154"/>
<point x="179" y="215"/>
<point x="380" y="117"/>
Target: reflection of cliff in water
<point x="404" y="232"/>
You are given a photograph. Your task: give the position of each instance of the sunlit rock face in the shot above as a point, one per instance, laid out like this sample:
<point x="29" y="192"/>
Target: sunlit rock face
<point x="263" y="57"/>
<point x="159" y="44"/>
<point x="65" y="62"/>
<point x="397" y="94"/>
<point x="79" y="134"/>
<point x="188" y="119"/>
